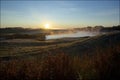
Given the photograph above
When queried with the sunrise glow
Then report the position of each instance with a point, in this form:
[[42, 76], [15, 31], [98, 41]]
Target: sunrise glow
[[47, 26]]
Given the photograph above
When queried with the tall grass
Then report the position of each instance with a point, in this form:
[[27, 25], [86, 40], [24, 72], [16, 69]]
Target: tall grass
[[103, 64]]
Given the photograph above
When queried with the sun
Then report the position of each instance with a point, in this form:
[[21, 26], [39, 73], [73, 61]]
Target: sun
[[47, 26]]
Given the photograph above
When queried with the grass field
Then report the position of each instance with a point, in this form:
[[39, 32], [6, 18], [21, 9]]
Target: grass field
[[62, 59]]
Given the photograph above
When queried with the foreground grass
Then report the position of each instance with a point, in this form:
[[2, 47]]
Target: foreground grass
[[103, 64]]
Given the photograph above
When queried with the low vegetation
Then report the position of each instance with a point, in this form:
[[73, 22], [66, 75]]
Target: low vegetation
[[100, 63], [39, 36], [104, 64]]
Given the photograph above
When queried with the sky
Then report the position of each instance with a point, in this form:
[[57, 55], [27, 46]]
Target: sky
[[59, 14]]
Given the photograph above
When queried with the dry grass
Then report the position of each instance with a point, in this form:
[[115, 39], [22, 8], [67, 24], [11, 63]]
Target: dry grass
[[104, 64]]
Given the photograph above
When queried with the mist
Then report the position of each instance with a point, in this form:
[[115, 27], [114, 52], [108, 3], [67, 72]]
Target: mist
[[72, 35]]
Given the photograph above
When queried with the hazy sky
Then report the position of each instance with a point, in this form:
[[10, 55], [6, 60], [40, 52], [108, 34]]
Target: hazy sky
[[59, 13]]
